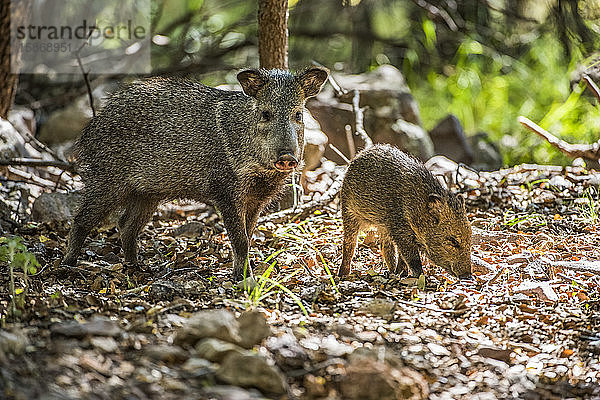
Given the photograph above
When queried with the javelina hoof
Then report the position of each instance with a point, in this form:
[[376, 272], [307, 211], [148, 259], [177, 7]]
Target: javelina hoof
[[239, 275], [466, 276]]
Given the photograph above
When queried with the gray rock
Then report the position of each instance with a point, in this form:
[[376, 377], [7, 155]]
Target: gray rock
[[219, 324], [23, 120], [221, 392], [315, 142], [199, 367], [286, 350], [216, 350], [166, 353], [55, 207], [12, 343], [392, 114], [12, 144], [66, 124], [252, 370], [368, 379], [191, 229], [412, 138], [97, 326], [106, 344], [384, 89], [449, 140], [253, 328], [486, 154]]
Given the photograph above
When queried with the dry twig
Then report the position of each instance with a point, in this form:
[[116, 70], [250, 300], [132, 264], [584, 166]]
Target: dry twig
[[30, 162], [589, 151], [592, 86]]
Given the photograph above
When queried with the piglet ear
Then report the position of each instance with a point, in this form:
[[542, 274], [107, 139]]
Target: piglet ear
[[311, 80], [434, 206], [252, 81]]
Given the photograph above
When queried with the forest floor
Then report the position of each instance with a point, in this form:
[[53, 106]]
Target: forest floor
[[526, 327]]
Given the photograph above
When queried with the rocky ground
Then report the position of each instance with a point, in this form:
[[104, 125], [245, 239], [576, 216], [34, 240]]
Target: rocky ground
[[526, 327]]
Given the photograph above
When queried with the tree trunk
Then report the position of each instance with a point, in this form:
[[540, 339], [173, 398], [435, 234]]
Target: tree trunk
[[8, 80], [273, 33], [362, 43]]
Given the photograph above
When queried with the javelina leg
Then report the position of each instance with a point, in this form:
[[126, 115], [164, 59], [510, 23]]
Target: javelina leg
[[410, 253], [92, 211], [388, 249], [408, 250], [236, 230], [351, 227], [137, 214]]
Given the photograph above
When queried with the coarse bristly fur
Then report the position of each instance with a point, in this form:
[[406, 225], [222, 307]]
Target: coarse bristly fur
[[393, 192], [169, 138]]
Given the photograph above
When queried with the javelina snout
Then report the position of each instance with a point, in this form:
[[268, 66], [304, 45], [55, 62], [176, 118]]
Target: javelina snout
[[286, 162]]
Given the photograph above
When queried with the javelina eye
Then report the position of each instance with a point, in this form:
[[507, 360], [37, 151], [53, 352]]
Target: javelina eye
[[299, 116], [265, 116], [454, 242]]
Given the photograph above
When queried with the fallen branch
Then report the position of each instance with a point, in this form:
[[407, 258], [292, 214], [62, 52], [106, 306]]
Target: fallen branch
[[86, 74], [592, 267], [592, 86], [589, 151], [359, 119], [339, 153], [304, 210], [30, 162]]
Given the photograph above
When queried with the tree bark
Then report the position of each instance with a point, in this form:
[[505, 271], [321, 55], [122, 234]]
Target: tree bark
[[273, 34], [8, 80]]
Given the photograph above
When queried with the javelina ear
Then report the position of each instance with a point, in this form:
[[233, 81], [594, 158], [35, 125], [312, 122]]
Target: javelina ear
[[434, 205], [311, 80], [252, 81]]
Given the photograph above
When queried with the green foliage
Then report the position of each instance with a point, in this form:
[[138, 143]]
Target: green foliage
[[15, 254], [488, 91], [266, 286], [588, 207]]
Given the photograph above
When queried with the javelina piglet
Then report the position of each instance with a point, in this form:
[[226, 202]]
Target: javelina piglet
[[393, 192], [165, 138]]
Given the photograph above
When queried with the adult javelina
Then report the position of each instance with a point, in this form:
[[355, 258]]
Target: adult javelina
[[165, 138], [395, 193]]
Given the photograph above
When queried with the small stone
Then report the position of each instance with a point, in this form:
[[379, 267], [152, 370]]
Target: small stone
[[540, 289], [287, 351], [248, 284], [190, 230], [216, 350], [97, 326], [378, 307], [198, 367], [166, 353], [106, 344], [438, 350], [496, 354], [372, 380], [255, 329], [12, 343], [252, 370], [219, 324], [367, 336], [315, 386], [222, 392]]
